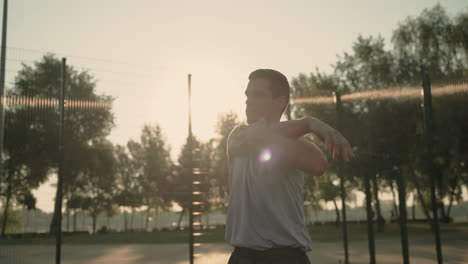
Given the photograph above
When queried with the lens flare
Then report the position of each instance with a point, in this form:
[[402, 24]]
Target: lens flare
[[265, 155]]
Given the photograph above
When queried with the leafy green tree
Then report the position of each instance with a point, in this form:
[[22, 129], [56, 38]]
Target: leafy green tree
[[202, 160], [98, 182], [128, 193], [74, 203], [31, 134], [431, 42], [330, 192], [154, 169], [226, 123]]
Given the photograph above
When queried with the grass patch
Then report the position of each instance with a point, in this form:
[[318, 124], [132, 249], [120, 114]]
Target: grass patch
[[326, 233]]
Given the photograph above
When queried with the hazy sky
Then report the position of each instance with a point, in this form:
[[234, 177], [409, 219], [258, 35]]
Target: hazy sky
[[141, 51]]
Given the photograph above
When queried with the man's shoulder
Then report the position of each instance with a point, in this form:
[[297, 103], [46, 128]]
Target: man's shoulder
[[237, 129]]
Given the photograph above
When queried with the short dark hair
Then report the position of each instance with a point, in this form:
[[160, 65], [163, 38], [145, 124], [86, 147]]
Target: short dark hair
[[279, 84]]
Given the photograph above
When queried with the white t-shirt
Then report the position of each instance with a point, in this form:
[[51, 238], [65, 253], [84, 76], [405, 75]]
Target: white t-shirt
[[265, 206]]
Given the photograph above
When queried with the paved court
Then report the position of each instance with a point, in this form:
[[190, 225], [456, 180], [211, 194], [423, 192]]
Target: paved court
[[388, 251]]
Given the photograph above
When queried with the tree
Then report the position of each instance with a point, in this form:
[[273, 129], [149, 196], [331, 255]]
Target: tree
[[31, 134], [226, 123], [432, 43], [128, 194], [98, 182], [154, 169], [74, 203], [330, 192], [200, 159], [29, 201]]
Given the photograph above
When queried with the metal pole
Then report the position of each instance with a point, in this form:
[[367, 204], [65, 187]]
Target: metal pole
[[370, 226], [403, 218], [2, 84], [58, 197], [342, 188], [370, 217], [190, 168], [428, 129]]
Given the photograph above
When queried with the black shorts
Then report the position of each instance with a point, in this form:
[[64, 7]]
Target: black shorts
[[269, 256]]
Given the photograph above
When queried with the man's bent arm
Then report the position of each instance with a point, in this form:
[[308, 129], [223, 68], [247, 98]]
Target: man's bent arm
[[285, 151], [335, 143], [299, 127], [298, 154]]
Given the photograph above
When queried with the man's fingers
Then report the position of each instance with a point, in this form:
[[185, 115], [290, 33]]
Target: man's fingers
[[336, 152], [350, 152], [332, 150], [330, 144], [345, 154]]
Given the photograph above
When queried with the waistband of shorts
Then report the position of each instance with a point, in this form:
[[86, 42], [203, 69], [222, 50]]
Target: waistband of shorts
[[280, 251]]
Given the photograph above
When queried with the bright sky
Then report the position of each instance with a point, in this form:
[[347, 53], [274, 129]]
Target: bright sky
[[141, 51]]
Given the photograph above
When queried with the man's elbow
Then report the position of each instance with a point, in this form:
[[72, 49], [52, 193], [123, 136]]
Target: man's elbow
[[319, 164], [322, 166], [317, 168]]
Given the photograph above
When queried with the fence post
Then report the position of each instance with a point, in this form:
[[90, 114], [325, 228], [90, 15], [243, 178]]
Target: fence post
[[3, 101], [337, 98], [428, 133], [401, 185], [190, 147], [369, 212], [59, 195]]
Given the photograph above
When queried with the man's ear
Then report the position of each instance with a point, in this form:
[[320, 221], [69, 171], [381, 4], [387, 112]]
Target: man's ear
[[282, 101]]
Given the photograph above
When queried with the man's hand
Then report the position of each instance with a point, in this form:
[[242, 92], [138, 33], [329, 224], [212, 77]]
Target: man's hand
[[336, 144]]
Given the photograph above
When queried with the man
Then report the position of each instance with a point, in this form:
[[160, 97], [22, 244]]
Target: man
[[265, 220]]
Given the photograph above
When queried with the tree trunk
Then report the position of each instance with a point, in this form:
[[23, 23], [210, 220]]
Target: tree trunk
[[125, 221], [155, 219], [74, 220], [395, 209], [443, 215], [131, 219], [33, 222], [7, 206], [337, 213], [441, 193], [380, 219], [68, 220], [401, 185], [413, 208], [147, 218], [26, 223], [370, 218], [83, 221], [423, 204], [94, 216], [452, 196], [451, 200], [180, 218]]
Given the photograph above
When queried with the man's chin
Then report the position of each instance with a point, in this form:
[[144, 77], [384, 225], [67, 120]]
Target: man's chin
[[251, 120]]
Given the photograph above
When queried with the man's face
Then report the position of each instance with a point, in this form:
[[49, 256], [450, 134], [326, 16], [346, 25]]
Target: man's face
[[259, 103]]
